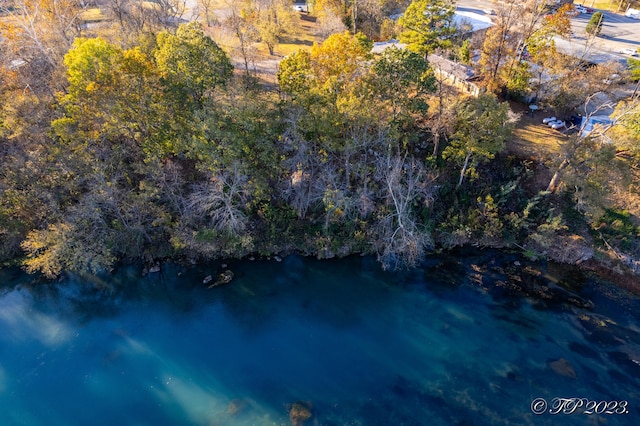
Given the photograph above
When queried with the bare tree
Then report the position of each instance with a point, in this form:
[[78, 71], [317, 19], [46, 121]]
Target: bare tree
[[207, 8], [221, 200], [302, 187], [242, 24], [136, 16], [36, 35], [329, 23], [399, 239]]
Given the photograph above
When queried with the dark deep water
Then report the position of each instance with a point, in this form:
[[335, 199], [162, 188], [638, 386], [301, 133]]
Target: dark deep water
[[470, 339]]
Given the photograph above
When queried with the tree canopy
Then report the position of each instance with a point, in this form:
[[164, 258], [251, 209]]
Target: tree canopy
[[427, 25]]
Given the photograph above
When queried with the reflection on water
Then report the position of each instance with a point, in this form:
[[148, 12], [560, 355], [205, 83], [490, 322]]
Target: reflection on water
[[467, 339]]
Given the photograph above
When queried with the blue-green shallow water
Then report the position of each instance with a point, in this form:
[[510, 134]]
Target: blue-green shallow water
[[441, 345]]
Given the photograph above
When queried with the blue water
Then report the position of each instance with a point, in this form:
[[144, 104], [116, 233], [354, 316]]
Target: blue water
[[452, 342]]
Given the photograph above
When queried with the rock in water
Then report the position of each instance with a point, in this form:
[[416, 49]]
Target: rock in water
[[563, 368], [236, 406], [300, 413], [154, 268], [207, 279], [223, 278]]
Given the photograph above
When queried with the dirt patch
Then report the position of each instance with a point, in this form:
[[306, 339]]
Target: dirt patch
[[532, 139]]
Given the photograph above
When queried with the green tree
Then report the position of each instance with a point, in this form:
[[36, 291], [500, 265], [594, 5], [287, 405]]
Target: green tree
[[295, 74], [427, 25], [594, 26], [115, 101], [634, 68], [191, 63], [400, 79], [482, 127]]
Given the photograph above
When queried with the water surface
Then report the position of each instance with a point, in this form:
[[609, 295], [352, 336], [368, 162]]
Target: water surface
[[467, 339]]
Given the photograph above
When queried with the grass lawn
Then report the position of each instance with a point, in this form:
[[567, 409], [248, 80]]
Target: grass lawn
[[92, 14], [604, 5], [531, 138]]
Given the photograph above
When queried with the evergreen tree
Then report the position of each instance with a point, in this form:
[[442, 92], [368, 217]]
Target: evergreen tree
[[594, 26], [427, 25]]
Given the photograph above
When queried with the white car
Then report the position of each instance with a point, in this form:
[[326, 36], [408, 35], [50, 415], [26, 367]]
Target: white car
[[558, 124], [580, 9], [548, 120], [629, 51]]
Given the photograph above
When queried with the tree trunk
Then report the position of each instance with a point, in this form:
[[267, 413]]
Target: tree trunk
[[555, 180], [436, 143], [464, 169]]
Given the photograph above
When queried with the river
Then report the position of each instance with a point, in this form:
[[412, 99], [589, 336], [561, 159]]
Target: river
[[470, 338]]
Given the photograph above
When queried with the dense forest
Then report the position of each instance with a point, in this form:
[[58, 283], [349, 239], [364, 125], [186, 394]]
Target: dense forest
[[141, 142]]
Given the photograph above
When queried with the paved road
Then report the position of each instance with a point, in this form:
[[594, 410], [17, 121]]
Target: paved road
[[618, 32]]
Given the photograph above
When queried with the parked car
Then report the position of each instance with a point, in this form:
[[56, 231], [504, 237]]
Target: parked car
[[613, 78], [548, 120], [632, 13], [558, 124], [629, 51]]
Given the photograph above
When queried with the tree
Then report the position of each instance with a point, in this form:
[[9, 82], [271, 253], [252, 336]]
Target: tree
[[136, 17], [329, 69], [427, 25], [207, 7], [482, 127], [115, 101], [242, 23], [221, 200], [191, 63], [37, 34], [400, 79], [295, 74], [338, 59], [408, 187], [584, 155], [594, 26], [276, 19], [495, 53]]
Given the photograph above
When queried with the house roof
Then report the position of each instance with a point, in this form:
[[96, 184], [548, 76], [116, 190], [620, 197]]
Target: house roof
[[461, 71]]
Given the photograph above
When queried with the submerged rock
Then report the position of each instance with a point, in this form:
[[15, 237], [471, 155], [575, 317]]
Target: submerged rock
[[223, 278], [300, 412], [207, 279], [562, 367], [236, 406]]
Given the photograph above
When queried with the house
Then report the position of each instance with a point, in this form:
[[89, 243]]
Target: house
[[454, 74], [449, 72]]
